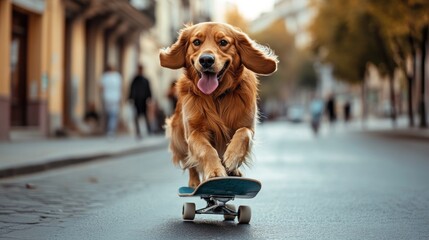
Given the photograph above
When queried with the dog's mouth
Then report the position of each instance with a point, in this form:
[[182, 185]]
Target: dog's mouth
[[209, 79]]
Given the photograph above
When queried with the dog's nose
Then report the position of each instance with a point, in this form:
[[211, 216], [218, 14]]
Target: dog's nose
[[206, 60]]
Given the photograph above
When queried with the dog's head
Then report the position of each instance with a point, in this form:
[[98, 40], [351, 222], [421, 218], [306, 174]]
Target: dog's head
[[214, 52]]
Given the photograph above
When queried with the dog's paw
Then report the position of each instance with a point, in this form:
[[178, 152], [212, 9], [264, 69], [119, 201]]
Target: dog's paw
[[235, 173], [232, 161], [215, 172], [193, 183]]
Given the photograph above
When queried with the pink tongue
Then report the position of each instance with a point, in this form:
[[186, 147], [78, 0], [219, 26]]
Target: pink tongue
[[208, 83]]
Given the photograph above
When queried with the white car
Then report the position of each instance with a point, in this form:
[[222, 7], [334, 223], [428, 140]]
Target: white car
[[296, 114]]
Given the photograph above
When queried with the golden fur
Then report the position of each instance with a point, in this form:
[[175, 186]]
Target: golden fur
[[211, 134]]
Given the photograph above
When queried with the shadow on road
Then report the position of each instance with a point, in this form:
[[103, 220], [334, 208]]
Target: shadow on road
[[200, 229]]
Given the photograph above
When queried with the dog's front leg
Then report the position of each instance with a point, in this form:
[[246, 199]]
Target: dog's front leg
[[204, 156], [237, 150]]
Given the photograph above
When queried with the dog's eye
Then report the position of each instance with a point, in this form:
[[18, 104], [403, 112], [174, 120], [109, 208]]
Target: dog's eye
[[223, 42], [197, 42]]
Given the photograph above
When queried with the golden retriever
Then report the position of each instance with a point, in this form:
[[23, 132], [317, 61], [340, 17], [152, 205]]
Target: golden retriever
[[212, 128]]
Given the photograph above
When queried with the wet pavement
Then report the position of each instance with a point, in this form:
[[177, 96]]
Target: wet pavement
[[340, 185]]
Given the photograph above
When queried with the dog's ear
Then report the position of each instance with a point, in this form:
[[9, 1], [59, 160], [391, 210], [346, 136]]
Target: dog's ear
[[174, 56], [257, 58]]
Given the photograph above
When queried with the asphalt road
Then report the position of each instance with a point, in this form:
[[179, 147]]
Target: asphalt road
[[341, 185]]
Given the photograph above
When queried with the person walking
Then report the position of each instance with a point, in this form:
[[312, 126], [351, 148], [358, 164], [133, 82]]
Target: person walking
[[330, 108], [140, 94], [111, 94], [347, 111], [316, 110]]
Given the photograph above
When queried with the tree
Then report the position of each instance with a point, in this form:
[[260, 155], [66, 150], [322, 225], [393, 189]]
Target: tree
[[307, 76], [422, 105], [405, 25], [352, 38]]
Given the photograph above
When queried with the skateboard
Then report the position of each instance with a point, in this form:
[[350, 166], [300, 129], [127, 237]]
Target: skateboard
[[217, 192]]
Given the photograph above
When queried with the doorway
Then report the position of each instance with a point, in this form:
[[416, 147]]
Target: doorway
[[18, 104]]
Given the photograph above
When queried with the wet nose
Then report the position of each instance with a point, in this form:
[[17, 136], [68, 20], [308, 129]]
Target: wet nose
[[206, 60]]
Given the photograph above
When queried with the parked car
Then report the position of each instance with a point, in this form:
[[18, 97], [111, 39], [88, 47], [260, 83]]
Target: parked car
[[296, 113]]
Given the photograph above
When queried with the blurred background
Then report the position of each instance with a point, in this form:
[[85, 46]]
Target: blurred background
[[368, 57], [341, 150]]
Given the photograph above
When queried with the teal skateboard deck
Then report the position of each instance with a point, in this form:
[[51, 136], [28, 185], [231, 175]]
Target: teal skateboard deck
[[237, 187], [217, 192]]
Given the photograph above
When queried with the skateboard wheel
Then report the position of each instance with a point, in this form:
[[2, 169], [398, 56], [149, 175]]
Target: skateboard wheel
[[244, 214], [188, 211], [228, 217]]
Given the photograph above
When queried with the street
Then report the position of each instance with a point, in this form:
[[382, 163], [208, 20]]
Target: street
[[341, 185]]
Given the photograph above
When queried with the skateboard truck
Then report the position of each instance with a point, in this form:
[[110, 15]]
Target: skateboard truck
[[217, 205]]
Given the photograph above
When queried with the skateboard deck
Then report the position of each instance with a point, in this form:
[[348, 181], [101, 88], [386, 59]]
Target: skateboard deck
[[237, 187]]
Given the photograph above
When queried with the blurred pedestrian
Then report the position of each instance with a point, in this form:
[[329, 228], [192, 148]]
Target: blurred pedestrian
[[347, 111], [316, 111], [172, 95], [111, 90], [140, 94], [330, 109]]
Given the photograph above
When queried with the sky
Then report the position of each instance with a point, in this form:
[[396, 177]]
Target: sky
[[250, 9]]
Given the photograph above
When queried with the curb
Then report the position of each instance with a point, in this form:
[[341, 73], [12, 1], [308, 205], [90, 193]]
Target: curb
[[399, 135], [73, 160]]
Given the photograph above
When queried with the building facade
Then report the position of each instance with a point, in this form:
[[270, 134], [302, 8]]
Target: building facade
[[53, 53]]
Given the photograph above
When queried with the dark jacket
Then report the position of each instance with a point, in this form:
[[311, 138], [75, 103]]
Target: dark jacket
[[140, 92], [330, 108]]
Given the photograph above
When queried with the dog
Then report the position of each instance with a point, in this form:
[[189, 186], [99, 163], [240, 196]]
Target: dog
[[212, 128]]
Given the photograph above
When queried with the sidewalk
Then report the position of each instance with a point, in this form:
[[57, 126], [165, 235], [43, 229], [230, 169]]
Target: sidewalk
[[383, 127], [24, 157]]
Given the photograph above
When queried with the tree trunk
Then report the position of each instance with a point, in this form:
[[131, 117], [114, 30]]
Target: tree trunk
[[410, 100], [423, 119], [364, 108], [392, 100], [410, 78]]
